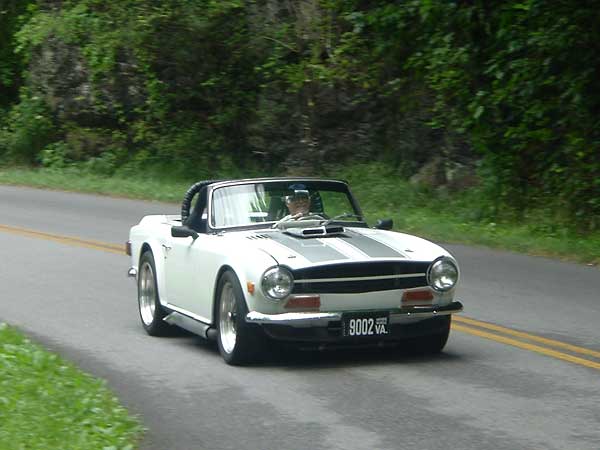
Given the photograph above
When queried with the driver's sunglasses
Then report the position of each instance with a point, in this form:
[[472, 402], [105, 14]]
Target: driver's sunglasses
[[298, 196], [299, 199]]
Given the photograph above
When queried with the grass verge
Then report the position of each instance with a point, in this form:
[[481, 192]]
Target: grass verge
[[459, 219], [444, 218], [47, 403]]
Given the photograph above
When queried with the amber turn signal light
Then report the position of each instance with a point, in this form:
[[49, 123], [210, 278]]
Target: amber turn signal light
[[304, 301], [417, 296]]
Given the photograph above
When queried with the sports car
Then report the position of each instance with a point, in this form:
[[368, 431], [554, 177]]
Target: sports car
[[253, 261]]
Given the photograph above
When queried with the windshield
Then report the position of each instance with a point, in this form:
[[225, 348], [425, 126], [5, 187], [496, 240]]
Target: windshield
[[268, 202]]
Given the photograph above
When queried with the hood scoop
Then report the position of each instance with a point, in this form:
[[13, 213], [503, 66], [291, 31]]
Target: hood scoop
[[316, 232]]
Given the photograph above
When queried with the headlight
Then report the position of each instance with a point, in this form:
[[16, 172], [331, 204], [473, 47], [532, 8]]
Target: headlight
[[442, 274], [277, 283]]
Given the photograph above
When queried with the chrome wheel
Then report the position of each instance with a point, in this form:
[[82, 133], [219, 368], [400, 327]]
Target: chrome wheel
[[147, 294], [227, 318], [238, 341]]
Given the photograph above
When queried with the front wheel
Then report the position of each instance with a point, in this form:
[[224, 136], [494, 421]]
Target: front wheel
[[432, 343], [238, 341]]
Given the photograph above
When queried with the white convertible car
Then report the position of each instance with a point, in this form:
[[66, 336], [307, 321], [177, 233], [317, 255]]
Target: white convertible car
[[289, 259]]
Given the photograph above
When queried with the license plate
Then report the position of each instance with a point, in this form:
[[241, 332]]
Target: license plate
[[366, 324]]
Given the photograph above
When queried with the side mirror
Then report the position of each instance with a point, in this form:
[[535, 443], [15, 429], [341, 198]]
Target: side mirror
[[384, 224], [183, 232]]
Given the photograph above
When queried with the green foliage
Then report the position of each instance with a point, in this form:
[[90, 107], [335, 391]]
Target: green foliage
[[13, 13], [46, 402], [28, 129], [55, 155], [521, 79], [464, 217], [294, 86]]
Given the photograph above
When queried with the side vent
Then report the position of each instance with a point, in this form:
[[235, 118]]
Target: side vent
[[258, 236]]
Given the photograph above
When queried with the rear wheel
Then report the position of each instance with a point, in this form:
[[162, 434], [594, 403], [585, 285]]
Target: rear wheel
[[238, 341], [151, 312]]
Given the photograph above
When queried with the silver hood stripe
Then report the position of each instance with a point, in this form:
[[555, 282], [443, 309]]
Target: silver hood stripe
[[369, 246], [313, 250], [352, 245], [377, 238], [350, 251]]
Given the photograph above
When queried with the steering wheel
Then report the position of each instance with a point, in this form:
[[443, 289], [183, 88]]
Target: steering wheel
[[311, 217]]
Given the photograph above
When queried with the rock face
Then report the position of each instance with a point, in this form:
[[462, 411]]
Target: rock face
[[299, 123], [443, 173], [322, 121], [60, 74], [316, 126], [90, 110]]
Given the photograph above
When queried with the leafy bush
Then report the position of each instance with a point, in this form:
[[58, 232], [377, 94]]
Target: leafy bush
[[13, 14], [55, 155], [28, 129]]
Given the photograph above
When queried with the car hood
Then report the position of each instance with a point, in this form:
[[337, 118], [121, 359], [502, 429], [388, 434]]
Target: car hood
[[353, 245]]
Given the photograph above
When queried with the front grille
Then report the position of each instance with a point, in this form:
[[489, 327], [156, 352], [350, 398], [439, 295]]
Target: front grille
[[308, 280], [355, 287], [362, 269]]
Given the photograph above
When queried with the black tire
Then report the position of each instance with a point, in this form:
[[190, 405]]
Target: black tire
[[149, 307], [239, 342], [434, 343]]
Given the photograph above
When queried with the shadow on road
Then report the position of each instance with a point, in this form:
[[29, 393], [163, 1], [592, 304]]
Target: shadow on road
[[311, 359], [276, 355]]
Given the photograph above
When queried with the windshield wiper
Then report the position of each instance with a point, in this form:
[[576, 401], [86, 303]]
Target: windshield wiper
[[343, 216]]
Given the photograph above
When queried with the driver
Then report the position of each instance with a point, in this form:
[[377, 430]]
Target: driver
[[298, 203]]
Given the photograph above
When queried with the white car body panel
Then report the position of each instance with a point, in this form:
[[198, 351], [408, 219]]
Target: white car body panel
[[187, 269], [352, 270]]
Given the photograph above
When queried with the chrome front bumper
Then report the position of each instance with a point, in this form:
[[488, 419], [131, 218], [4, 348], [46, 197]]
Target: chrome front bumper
[[316, 319]]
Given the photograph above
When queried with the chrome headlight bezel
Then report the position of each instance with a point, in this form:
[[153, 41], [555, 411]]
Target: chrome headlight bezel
[[440, 268], [277, 283]]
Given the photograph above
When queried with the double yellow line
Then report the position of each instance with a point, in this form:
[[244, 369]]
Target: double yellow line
[[520, 339], [112, 248], [527, 341]]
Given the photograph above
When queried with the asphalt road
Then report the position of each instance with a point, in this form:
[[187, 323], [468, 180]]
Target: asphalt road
[[521, 369]]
